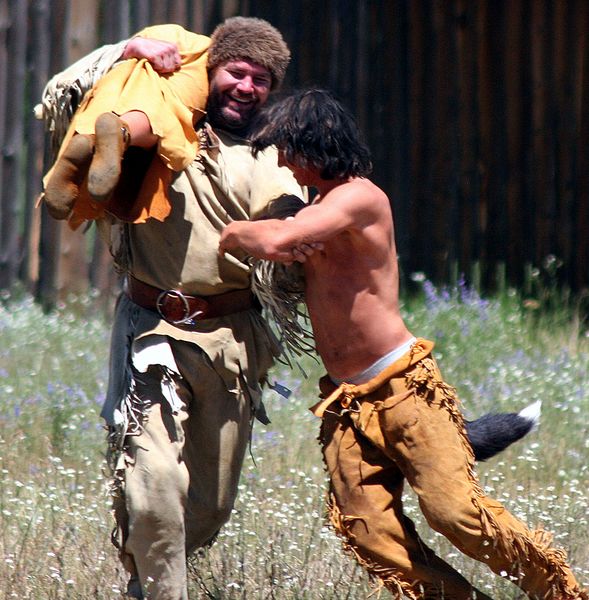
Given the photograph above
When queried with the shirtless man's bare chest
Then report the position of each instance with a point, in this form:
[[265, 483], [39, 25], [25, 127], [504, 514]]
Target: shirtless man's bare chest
[[352, 295]]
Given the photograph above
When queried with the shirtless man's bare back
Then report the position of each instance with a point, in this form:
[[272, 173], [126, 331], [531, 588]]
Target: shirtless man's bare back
[[398, 420]]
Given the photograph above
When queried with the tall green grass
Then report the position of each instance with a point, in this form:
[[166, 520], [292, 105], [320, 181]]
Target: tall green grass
[[501, 353]]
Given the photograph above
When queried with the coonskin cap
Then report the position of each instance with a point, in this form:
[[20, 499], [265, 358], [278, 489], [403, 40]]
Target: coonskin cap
[[252, 39]]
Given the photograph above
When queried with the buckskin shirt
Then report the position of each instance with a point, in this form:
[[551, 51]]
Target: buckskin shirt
[[224, 183], [180, 402]]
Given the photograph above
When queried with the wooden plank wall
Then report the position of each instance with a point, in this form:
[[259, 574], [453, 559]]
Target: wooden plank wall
[[476, 112]]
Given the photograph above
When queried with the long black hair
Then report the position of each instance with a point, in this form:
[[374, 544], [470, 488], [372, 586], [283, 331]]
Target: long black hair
[[314, 129]]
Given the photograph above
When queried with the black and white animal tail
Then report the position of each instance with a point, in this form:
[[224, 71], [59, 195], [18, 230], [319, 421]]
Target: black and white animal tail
[[492, 433]]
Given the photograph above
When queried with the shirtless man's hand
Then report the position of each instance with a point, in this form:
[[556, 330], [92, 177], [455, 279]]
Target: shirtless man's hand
[[303, 251]]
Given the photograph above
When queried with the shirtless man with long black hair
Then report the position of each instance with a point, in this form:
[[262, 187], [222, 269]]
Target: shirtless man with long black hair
[[387, 414]]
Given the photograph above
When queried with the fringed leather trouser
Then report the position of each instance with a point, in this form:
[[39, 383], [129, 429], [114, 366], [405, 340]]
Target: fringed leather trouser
[[405, 424]]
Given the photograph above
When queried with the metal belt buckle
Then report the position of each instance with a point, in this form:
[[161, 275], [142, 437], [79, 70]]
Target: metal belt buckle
[[187, 318]]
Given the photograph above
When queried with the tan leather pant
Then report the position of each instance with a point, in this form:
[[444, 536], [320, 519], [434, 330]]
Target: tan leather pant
[[178, 479], [405, 425]]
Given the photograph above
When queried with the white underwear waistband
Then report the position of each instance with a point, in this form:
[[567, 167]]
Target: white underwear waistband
[[376, 367]]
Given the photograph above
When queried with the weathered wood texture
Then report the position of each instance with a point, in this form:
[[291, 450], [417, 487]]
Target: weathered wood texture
[[476, 112]]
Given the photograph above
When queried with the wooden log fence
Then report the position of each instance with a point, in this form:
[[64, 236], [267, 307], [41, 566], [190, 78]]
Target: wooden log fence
[[476, 112]]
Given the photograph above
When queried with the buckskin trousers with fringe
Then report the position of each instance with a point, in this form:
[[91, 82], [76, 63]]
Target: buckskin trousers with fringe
[[405, 424]]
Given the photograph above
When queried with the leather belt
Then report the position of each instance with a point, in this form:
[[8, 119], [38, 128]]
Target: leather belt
[[185, 311]]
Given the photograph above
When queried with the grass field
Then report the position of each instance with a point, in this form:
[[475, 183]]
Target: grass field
[[501, 353]]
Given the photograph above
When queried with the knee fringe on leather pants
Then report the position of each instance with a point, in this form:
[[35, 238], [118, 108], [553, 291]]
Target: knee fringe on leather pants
[[405, 424]]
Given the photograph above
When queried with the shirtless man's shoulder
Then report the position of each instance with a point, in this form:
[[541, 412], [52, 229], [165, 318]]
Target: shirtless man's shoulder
[[358, 188], [363, 199]]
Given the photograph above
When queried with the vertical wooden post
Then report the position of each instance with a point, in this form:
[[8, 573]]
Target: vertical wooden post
[[177, 12], [566, 69], [581, 229], [423, 98], [115, 20], [4, 24], [445, 140], [202, 16], [493, 136], [74, 260], [469, 225], [38, 73], [542, 140], [158, 12], [12, 150], [50, 238], [139, 15], [387, 113]]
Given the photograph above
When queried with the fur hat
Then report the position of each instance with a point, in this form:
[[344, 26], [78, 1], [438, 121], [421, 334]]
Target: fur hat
[[252, 39]]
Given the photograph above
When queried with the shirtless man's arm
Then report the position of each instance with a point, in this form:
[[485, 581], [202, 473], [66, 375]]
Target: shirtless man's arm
[[351, 205]]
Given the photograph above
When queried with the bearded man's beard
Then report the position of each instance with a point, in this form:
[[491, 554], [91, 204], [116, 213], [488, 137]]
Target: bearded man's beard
[[219, 116]]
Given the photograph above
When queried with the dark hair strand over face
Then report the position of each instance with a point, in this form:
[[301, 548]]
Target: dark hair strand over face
[[314, 130]]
